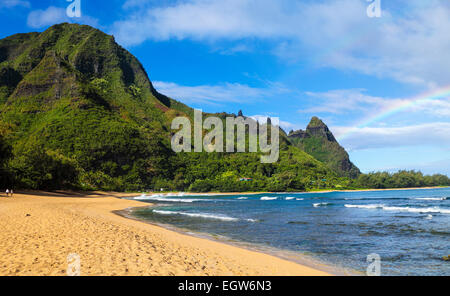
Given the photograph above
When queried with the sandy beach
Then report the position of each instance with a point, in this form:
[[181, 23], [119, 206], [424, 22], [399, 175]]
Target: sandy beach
[[39, 230]]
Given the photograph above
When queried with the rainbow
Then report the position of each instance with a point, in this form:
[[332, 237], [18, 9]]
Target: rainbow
[[398, 107]]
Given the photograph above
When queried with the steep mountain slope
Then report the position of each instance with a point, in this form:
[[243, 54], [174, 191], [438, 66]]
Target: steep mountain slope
[[71, 95], [80, 111], [319, 142]]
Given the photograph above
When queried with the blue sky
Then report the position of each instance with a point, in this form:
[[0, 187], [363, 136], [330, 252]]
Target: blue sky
[[292, 59]]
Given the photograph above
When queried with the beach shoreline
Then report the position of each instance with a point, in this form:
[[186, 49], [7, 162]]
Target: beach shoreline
[[40, 229], [293, 192], [291, 256], [211, 232]]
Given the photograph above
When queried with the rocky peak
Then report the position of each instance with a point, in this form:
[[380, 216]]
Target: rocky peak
[[300, 134], [318, 141], [317, 128]]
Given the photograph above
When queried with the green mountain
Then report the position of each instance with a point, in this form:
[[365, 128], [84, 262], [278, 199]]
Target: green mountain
[[319, 142], [79, 111]]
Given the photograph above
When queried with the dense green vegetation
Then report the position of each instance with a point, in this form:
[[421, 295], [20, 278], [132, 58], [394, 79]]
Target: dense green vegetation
[[81, 112], [77, 111], [296, 171], [401, 179], [5, 154]]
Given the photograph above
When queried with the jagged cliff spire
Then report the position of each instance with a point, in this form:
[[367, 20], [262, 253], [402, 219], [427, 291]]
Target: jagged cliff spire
[[318, 141], [316, 127]]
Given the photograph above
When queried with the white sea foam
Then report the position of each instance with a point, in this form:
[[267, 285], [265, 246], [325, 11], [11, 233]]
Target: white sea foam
[[242, 198], [365, 206], [251, 220], [429, 217], [160, 197], [202, 215], [268, 198], [290, 198], [176, 194], [417, 210], [401, 209], [299, 199], [431, 198], [321, 204]]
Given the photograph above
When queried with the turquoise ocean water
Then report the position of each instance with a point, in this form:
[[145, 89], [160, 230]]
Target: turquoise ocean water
[[409, 229]]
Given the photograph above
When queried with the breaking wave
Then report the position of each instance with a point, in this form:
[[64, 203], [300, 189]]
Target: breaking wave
[[268, 198], [321, 204], [202, 215], [168, 198], [401, 209], [431, 198]]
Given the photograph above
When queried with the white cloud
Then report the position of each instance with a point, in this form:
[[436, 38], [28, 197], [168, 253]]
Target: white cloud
[[341, 101], [218, 94], [41, 18], [14, 3], [345, 101], [438, 108], [225, 93], [381, 137], [55, 15], [409, 43]]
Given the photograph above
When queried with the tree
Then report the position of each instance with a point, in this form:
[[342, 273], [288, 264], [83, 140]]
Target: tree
[[401, 179], [5, 155], [240, 114], [5, 151], [38, 168]]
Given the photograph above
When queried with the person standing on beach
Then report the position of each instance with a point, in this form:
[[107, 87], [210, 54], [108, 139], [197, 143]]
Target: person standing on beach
[[7, 192], [12, 193]]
